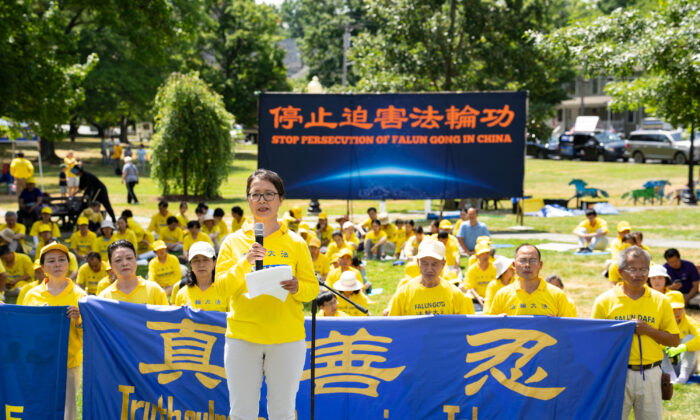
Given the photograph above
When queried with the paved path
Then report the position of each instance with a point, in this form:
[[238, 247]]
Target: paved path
[[570, 238]]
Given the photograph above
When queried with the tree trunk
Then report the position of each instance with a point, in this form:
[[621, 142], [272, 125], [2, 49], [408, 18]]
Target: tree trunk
[[691, 157], [73, 130], [123, 128], [48, 151]]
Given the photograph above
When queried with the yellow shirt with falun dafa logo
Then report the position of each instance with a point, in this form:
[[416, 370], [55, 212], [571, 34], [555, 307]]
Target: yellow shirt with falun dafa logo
[[208, 300], [40, 296], [265, 319], [545, 300], [479, 279], [148, 292], [165, 274], [415, 299], [89, 279], [80, 243]]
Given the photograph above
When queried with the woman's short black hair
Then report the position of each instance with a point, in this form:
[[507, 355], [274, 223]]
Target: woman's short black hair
[[193, 223], [269, 176], [218, 212], [127, 213], [324, 297], [237, 210], [122, 243], [171, 219], [419, 229], [376, 221]]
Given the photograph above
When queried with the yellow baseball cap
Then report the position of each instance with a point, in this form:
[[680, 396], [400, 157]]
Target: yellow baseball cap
[[676, 299], [44, 228], [47, 210], [315, 242], [334, 258], [484, 239], [158, 245], [445, 224], [623, 226], [30, 180], [83, 221], [296, 211], [482, 248], [344, 252], [37, 264], [322, 215], [53, 246]]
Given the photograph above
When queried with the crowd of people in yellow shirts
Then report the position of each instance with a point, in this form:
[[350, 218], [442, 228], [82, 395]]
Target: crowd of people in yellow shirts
[[101, 258]]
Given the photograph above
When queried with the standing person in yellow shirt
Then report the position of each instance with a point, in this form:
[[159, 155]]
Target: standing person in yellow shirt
[[351, 288], [181, 218], [529, 294], [656, 327], [375, 241], [592, 232], [237, 218], [90, 274], [172, 235], [72, 180], [160, 219], [59, 290], [81, 240], [116, 155], [123, 232], [128, 287], [480, 274], [19, 270], [429, 293], [321, 263], [505, 273], [199, 291], [686, 354], [265, 336], [21, 169], [103, 242], [220, 224], [164, 269]]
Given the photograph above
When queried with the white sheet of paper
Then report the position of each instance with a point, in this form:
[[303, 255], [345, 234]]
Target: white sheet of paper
[[267, 282]]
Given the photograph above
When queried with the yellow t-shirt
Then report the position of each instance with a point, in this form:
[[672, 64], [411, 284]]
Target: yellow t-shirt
[[21, 168], [375, 237], [82, 244], [103, 284], [18, 229], [652, 308], [360, 298], [473, 260], [23, 266], [25, 289], [100, 246], [326, 234], [158, 222], [399, 238], [208, 232], [182, 219], [148, 292], [189, 240], [237, 225], [39, 296], [455, 228], [351, 241], [223, 229], [339, 314], [333, 249], [598, 223], [479, 279], [321, 265], [367, 224], [412, 245], [390, 230], [264, 319], [494, 286], [171, 236], [689, 326], [444, 299], [70, 163], [165, 274], [117, 151], [34, 231], [335, 273], [451, 253], [545, 300], [89, 279], [208, 300]]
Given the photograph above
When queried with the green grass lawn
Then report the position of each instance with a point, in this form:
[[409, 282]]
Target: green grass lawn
[[544, 178]]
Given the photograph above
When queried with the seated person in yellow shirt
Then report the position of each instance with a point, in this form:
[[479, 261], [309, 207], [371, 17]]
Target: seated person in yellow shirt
[[390, 230], [45, 238], [336, 244], [292, 218], [38, 278], [321, 262], [90, 274], [123, 232], [505, 273], [375, 241], [681, 361], [164, 269], [328, 305], [19, 270], [45, 220], [199, 291], [172, 235], [323, 230], [351, 288], [623, 228], [210, 229], [105, 240], [220, 224], [452, 271], [659, 279], [106, 280], [128, 287], [411, 246], [592, 232], [15, 232], [429, 294], [529, 294], [181, 218], [345, 264], [94, 215], [613, 273], [480, 274], [81, 240], [638, 238], [195, 235], [237, 218], [349, 236], [160, 219]]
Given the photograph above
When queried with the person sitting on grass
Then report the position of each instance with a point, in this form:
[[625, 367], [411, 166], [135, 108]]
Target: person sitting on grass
[[106, 238], [182, 219], [555, 280], [172, 235], [336, 244], [480, 275], [344, 265], [19, 270], [90, 274], [123, 232], [323, 230], [592, 233], [375, 241], [351, 287], [349, 236], [659, 279], [160, 219], [220, 224], [411, 246], [321, 261], [237, 218], [452, 271], [164, 269], [195, 235], [328, 305], [81, 240], [505, 273], [681, 361]]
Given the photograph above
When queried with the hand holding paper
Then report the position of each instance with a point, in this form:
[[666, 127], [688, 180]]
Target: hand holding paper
[[267, 282]]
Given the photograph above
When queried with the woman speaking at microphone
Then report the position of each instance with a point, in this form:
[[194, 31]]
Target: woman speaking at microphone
[[264, 336]]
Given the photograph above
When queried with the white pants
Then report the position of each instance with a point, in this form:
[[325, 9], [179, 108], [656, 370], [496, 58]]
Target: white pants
[[246, 363], [643, 395], [72, 385], [598, 242]]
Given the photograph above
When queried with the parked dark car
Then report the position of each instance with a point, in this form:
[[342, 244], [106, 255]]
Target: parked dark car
[[599, 145], [543, 150]]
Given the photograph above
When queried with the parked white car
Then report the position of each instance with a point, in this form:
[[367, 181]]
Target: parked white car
[[667, 146]]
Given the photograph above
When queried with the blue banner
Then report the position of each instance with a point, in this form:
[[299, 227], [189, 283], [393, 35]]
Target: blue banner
[[34, 354], [400, 146], [139, 359]]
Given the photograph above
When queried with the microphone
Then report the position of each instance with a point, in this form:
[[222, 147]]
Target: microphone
[[259, 230]]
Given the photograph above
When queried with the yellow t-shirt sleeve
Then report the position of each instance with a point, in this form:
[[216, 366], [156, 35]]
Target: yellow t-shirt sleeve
[[496, 307], [157, 296], [668, 320], [694, 344], [308, 285], [463, 305], [567, 308]]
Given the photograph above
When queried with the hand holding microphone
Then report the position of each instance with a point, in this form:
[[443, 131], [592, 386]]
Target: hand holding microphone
[[257, 251]]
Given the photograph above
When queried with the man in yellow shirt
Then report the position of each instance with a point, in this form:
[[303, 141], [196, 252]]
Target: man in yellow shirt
[[656, 327], [429, 293], [116, 154], [81, 240], [172, 235], [529, 294], [19, 269], [164, 269], [686, 355], [480, 274], [160, 219], [45, 220], [220, 224], [375, 241], [90, 274], [21, 169], [14, 232], [367, 223], [321, 263], [237, 218], [592, 232]]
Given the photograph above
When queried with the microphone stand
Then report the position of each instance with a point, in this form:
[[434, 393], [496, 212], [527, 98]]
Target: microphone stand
[[314, 308]]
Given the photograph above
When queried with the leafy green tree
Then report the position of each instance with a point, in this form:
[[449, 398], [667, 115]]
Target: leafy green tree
[[654, 57], [192, 148], [238, 54]]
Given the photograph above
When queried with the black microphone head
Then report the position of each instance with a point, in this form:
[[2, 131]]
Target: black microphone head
[[259, 229]]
